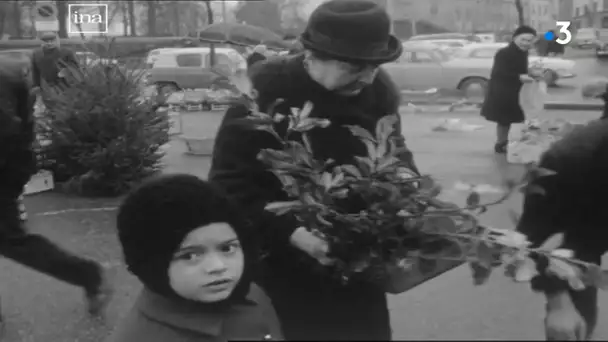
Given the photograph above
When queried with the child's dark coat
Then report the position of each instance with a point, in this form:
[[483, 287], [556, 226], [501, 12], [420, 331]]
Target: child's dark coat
[[157, 319]]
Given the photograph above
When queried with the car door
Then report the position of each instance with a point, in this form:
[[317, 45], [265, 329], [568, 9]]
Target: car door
[[189, 71], [416, 70]]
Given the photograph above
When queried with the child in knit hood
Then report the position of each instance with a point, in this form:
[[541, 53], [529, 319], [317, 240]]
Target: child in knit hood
[[194, 255]]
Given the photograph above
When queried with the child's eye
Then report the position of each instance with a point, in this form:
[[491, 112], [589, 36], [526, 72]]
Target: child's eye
[[231, 247], [189, 256]]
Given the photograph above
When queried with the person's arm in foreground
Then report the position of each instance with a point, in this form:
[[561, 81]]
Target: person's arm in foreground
[[247, 180]]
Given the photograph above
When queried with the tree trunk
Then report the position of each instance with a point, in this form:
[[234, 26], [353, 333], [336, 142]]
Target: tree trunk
[[101, 27], [3, 14], [79, 27], [151, 18], [117, 8], [132, 22], [125, 18], [176, 19], [209, 22], [31, 10], [520, 12], [17, 11], [62, 15]]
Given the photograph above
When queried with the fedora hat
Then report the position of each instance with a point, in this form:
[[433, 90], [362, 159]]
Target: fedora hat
[[352, 30]]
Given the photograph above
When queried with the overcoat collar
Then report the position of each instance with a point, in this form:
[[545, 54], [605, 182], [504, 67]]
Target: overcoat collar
[[184, 315]]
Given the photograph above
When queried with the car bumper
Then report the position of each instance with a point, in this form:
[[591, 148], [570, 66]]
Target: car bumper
[[566, 74], [585, 43], [602, 51]]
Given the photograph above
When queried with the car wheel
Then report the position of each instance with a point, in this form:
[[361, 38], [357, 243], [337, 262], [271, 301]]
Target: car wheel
[[474, 87], [550, 77]]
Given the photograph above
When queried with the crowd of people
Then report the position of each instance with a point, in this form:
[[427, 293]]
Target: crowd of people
[[195, 245]]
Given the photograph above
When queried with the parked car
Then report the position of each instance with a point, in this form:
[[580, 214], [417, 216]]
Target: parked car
[[423, 66], [450, 43], [601, 43], [153, 56], [190, 68], [486, 37], [554, 68], [24, 54], [585, 38], [446, 36], [90, 58]]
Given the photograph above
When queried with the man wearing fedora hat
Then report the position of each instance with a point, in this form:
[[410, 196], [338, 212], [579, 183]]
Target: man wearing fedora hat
[[345, 44]]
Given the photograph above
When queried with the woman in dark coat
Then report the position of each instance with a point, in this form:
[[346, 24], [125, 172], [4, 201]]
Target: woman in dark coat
[[509, 71], [344, 84]]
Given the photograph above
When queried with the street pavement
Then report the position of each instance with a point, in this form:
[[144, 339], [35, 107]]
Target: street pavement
[[449, 307]]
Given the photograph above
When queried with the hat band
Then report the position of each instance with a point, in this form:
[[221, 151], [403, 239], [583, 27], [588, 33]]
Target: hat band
[[346, 47]]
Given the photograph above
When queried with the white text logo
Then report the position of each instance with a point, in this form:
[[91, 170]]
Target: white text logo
[[88, 18], [564, 30]]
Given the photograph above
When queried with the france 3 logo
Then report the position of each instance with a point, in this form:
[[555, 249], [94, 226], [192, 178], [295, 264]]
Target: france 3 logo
[[564, 35]]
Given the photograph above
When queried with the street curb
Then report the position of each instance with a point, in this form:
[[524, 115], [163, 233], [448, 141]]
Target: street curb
[[551, 105], [574, 106]]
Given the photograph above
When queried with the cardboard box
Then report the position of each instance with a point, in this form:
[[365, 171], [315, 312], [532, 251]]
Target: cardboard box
[[40, 182]]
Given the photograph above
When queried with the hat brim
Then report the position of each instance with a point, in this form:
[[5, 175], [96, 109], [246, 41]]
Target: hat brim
[[393, 51]]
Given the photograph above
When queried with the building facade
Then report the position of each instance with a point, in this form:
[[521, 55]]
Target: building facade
[[590, 13], [541, 14], [457, 15]]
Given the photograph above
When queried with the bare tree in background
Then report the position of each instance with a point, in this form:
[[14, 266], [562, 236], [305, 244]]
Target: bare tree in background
[[125, 18], [175, 8], [17, 12], [62, 12], [589, 13], [132, 22], [3, 15], [210, 21], [520, 12], [151, 17]]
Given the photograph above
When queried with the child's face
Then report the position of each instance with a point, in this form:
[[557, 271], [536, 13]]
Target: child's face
[[208, 265]]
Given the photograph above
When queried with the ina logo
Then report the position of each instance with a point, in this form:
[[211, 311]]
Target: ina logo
[[88, 18]]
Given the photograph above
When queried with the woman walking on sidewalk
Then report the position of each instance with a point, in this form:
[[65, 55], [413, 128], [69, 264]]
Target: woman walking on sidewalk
[[509, 71]]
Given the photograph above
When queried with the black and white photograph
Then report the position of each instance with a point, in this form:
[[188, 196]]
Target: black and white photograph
[[303, 170]]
